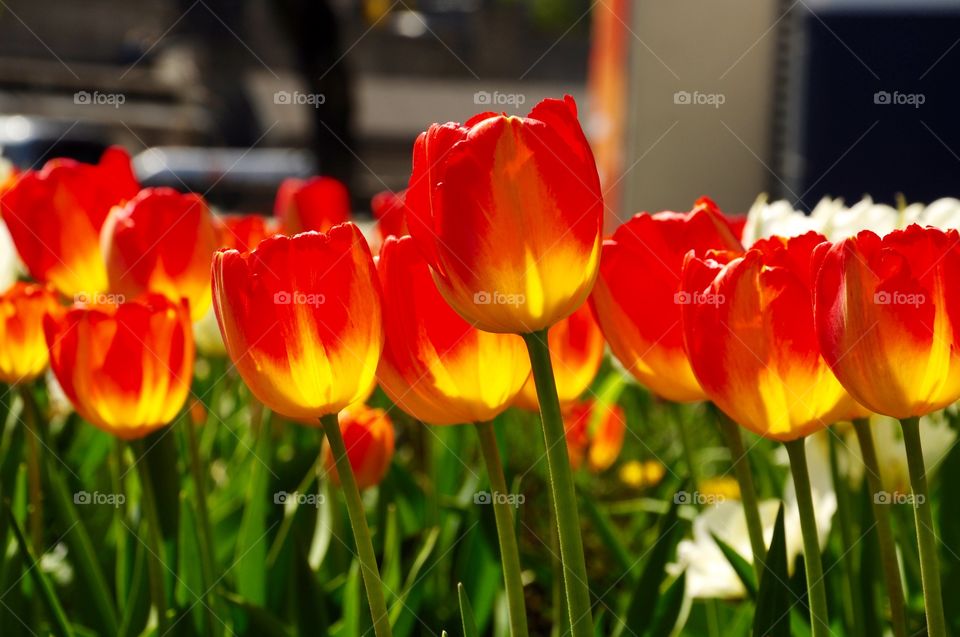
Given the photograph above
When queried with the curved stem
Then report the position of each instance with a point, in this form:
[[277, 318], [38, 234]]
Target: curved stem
[[561, 487], [693, 469], [154, 538], [509, 553], [820, 625], [748, 493], [358, 520], [926, 537], [881, 513]]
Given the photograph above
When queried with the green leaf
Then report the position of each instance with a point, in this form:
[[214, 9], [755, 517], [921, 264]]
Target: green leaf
[[61, 624], [82, 552], [772, 616], [428, 544], [251, 553], [668, 610], [608, 534], [136, 607], [646, 596], [741, 567], [466, 613], [258, 621]]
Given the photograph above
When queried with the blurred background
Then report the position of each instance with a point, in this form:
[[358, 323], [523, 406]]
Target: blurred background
[[797, 99]]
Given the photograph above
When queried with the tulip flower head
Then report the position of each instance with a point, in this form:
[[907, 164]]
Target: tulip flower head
[[368, 436], [161, 241], [242, 232], [595, 433], [23, 349], [55, 215], [576, 351], [126, 368], [300, 317], [390, 211], [318, 203], [888, 318], [751, 339], [638, 301], [435, 366], [508, 212]]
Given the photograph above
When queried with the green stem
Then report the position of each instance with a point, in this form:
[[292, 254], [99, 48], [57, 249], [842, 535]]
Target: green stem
[[881, 513], [358, 520], [748, 492], [154, 537], [561, 487], [926, 537], [688, 455], [204, 534], [506, 533], [853, 608], [820, 625], [31, 418]]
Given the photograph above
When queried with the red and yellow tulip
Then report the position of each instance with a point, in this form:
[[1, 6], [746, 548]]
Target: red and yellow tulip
[[126, 368], [301, 320], [595, 433], [435, 366], [368, 436], [637, 298], [55, 215], [508, 212], [23, 349], [318, 203], [576, 351], [752, 342], [161, 241], [888, 318]]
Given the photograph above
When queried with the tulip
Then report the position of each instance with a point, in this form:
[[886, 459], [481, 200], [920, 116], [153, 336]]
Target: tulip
[[300, 317], [508, 212], [242, 232], [594, 434], [886, 322], [161, 241], [390, 211], [301, 320], [55, 215], [126, 368], [368, 435], [435, 366], [637, 299], [318, 203], [752, 343], [576, 351], [885, 319], [441, 370], [23, 350]]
